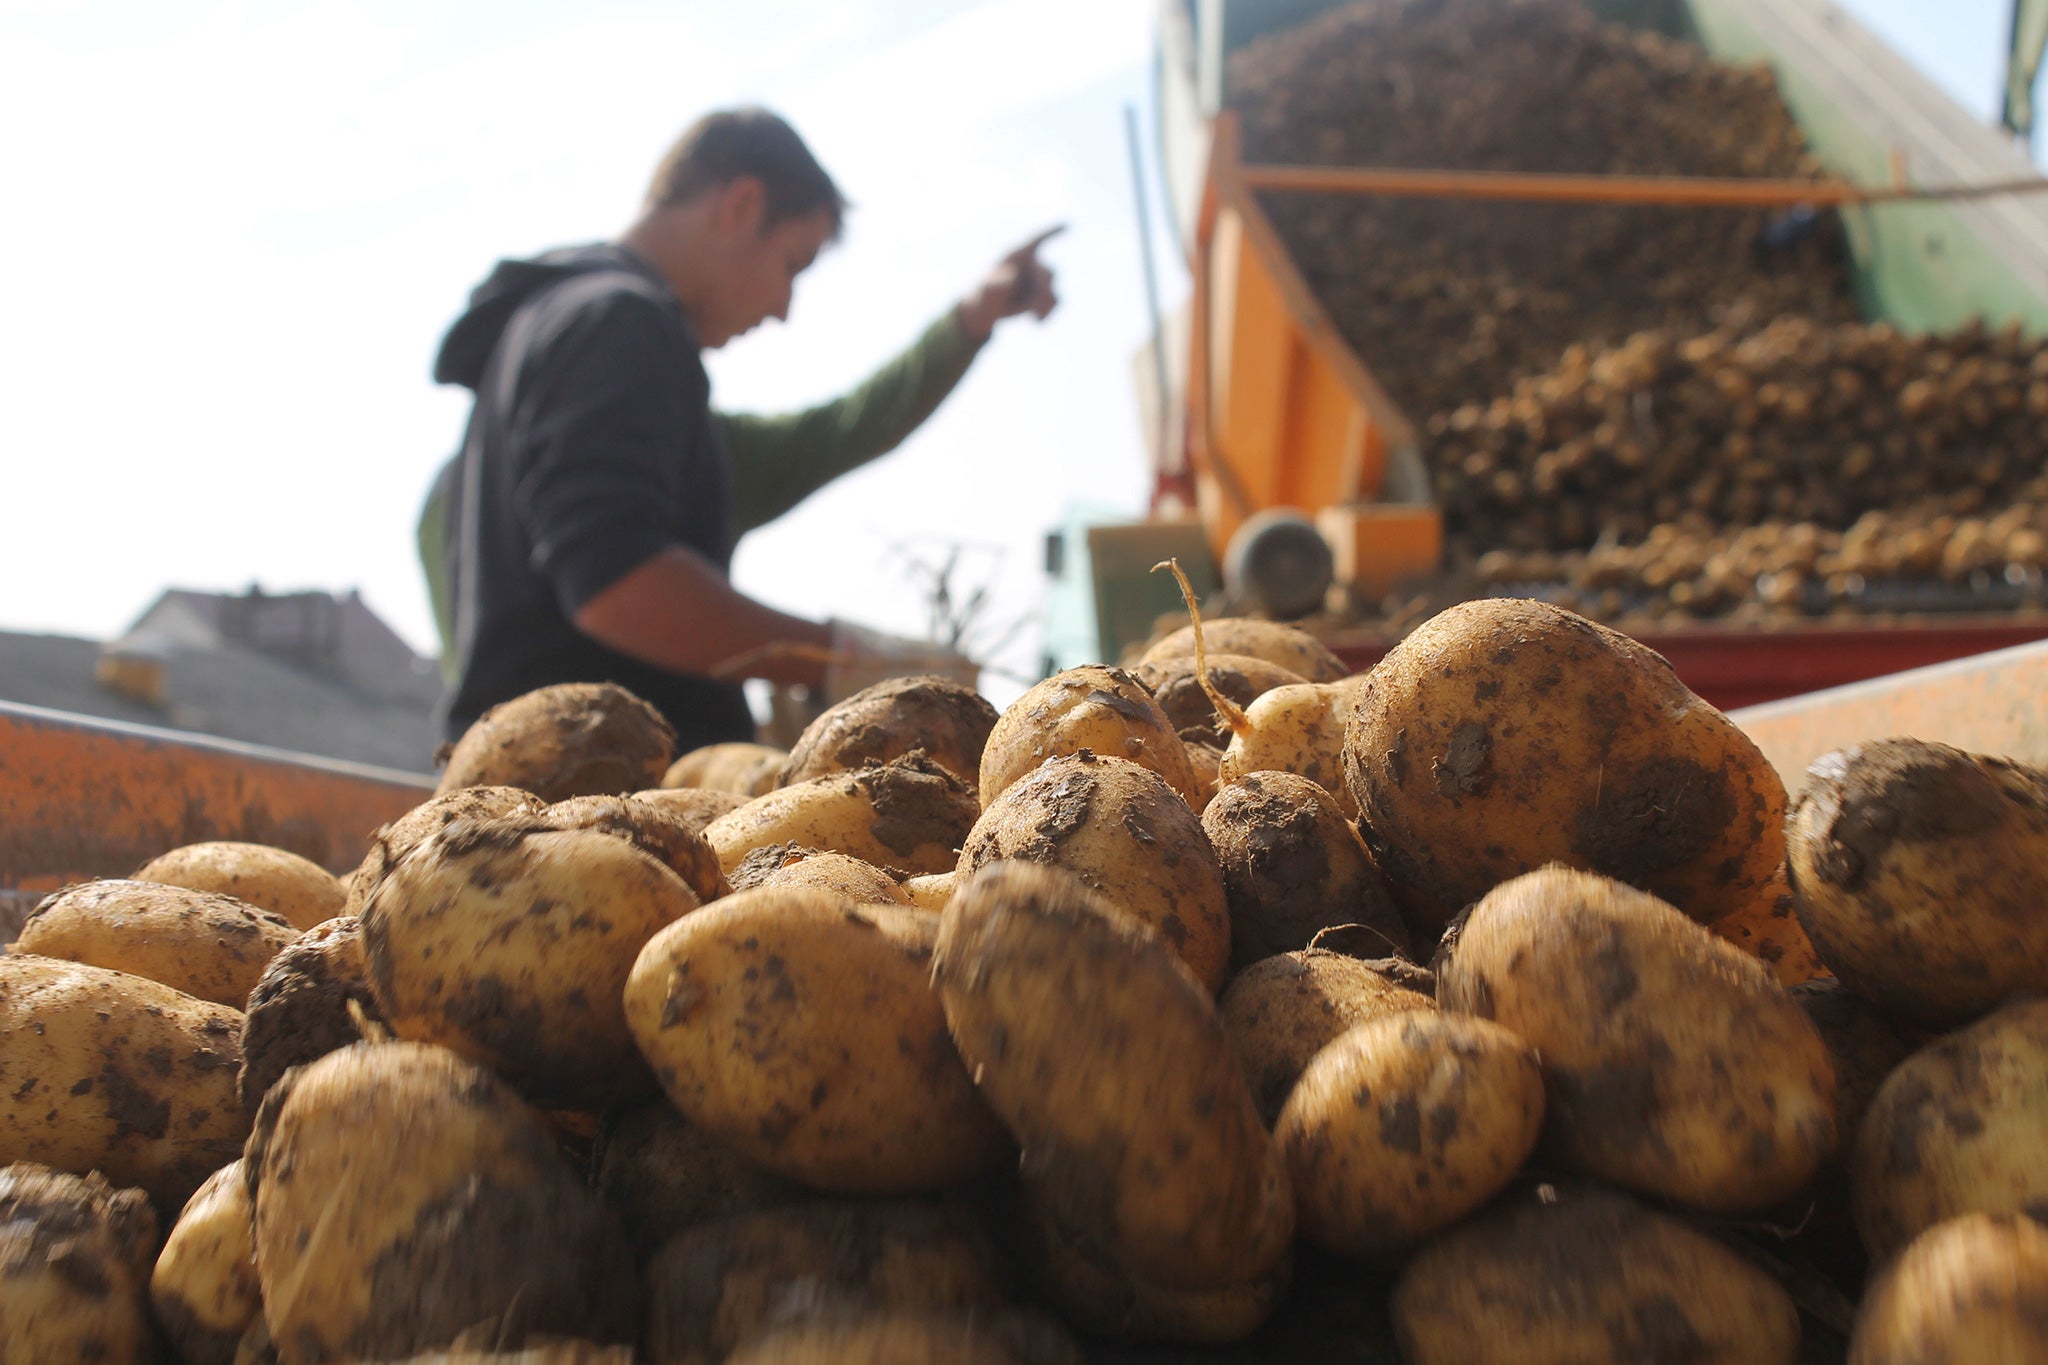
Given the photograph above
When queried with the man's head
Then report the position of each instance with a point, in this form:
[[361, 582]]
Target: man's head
[[736, 210]]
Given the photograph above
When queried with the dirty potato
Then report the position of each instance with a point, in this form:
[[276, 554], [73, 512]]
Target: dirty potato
[[209, 946], [1404, 1125], [839, 873], [305, 1005], [1292, 866], [1279, 644], [663, 1174], [1865, 1044], [570, 739], [696, 807], [377, 1249], [288, 886], [908, 815], [425, 820], [913, 1339], [747, 769], [1504, 735], [1956, 1129], [1768, 929], [933, 890], [1919, 872], [1177, 686], [947, 719], [1103, 710], [662, 834], [1105, 1058], [204, 1286], [1298, 730], [1674, 1062], [1281, 1012], [104, 1071], [1127, 834], [800, 1029], [1970, 1291], [510, 943], [74, 1270], [1577, 1275]]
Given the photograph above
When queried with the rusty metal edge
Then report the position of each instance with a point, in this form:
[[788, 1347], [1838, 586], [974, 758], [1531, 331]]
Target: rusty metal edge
[[256, 753]]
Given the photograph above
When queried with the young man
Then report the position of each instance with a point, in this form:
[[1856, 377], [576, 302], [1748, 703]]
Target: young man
[[584, 531]]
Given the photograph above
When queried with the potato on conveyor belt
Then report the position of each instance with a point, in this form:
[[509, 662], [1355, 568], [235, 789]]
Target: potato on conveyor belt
[[740, 766], [209, 946], [1104, 1056], [510, 942], [1505, 735], [274, 879], [801, 1029], [908, 814], [74, 1270], [569, 739], [1297, 729], [370, 1248], [1920, 872], [1124, 831], [1965, 1292], [1578, 1275], [948, 720], [104, 1071], [1955, 1129], [1674, 1063], [1094, 707], [1276, 642], [204, 1286]]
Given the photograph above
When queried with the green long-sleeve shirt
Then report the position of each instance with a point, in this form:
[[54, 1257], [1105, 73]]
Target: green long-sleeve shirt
[[776, 461]]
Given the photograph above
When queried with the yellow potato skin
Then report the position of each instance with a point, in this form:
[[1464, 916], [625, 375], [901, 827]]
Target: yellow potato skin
[[1674, 1063], [1298, 729], [204, 1287], [1103, 1055], [209, 946], [1589, 1277], [293, 888], [564, 740], [510, 944], [1277, 643], [1955, 1129], [748, 769], [1970, 1291], [932, 891], [908, 815], [1505, 735], [1282, 1011], [74, 1261], [1404, 1125], [1122, 830], [800, 1029], [839, 873], [101, 1070], [1104, 710]]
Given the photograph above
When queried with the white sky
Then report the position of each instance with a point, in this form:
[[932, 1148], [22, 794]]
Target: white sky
[[235, 231]]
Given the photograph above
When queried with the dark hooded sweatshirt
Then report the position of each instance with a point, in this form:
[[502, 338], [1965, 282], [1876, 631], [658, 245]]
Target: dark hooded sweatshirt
[[590, 449]]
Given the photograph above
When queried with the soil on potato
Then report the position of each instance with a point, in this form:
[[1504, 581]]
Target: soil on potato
[[299, 1010], [917, 804]]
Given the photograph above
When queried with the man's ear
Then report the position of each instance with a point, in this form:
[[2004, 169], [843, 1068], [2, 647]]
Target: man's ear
[[742, 208]]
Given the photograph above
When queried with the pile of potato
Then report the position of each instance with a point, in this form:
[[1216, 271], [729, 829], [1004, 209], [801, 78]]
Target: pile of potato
[[1491, 1006]]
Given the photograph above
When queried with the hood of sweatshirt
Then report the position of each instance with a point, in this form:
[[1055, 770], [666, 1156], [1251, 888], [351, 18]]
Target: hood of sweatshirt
[[467, 347]]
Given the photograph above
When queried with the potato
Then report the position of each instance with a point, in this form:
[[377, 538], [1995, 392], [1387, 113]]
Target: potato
[[510, 943], [749, 769], [1297, 730], [719, 1285], [914, 1339], [1205, 761], [304, 1006], [946, 719], [839, 873], [696, 807], [1292, 866], [1768, 928], [204, 1286], [425, 820], [908, 814], [1674, 1063], [1970, 1291], [1125, 833], [801, 1030], [1104, 710], [1504, 735], [74, 1265], [1103, 1055], [1404, 1125], [663, 1175], [933, 890], [1176, 685], [372, 1248], [661, 834], [209, 946], [104, 1071], [1864, 1044], [1919, 872], [1285, 646], [1956, 1129], [1281, 1012], [291, 887], [570, 739], [1576, 1275], [536, 1352]]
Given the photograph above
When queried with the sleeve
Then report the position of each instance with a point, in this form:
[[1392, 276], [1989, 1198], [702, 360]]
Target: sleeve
[[778, 461], [604, 443], [431, 535]]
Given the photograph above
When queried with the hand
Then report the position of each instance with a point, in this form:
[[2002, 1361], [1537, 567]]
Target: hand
[[1020, 283], [861, 657]]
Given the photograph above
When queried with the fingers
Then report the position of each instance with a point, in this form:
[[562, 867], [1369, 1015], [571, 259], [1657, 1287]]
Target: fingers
[[1023, 255]]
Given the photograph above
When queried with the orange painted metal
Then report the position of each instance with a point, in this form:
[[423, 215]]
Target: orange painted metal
[[82, 798]]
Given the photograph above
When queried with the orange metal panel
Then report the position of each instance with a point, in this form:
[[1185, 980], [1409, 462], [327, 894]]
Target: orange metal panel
[[82, 798]]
